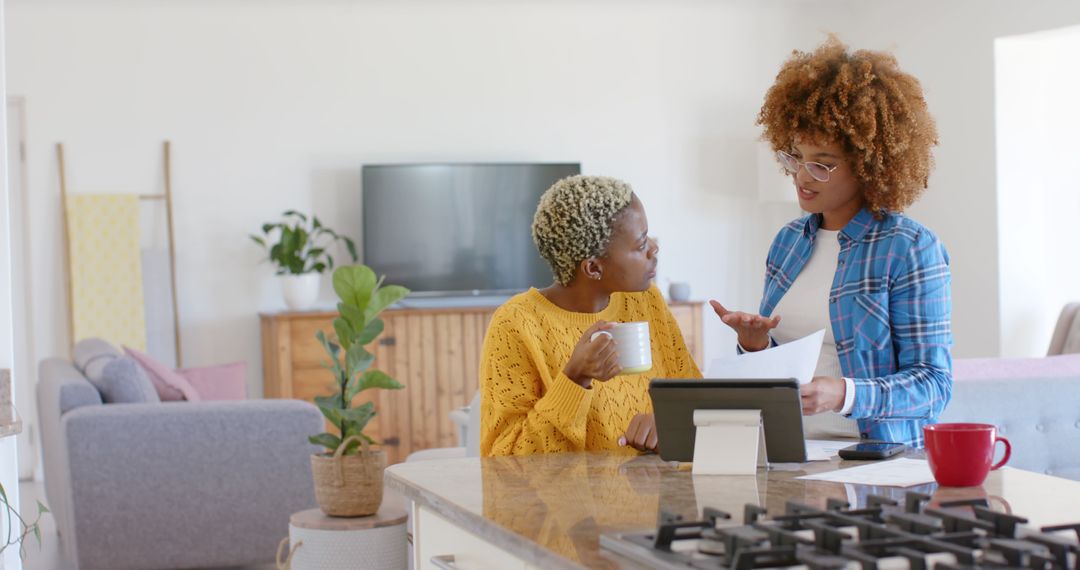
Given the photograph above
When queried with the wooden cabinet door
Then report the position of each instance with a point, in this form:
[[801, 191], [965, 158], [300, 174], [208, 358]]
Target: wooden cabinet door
[[688, 315], [436, 356]]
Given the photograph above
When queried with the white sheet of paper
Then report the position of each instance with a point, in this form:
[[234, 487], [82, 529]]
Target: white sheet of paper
[[902, 472], [795, 359], [826, 449]]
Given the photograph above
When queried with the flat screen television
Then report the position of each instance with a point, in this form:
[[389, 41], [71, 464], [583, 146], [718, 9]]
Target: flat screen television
[[456, 229]]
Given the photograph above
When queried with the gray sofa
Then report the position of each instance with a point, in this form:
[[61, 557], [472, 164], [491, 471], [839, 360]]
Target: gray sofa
[[1039, 416], [1034, 402], [170, 485]]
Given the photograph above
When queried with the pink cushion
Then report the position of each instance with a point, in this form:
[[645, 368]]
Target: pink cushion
[[1041, 367], [221, 382], [170, 386]]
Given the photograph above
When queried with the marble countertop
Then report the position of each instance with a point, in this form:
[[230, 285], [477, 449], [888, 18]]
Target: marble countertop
[[550, 510], [10, 424]]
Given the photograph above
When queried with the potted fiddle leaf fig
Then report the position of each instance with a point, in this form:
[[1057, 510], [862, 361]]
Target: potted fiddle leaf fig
[[300, 250], [349, 475]]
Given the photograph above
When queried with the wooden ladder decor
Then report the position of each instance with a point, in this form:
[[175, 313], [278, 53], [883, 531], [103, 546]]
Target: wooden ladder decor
[[166, 196]]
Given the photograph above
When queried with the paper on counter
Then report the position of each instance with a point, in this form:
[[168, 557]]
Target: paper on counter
[[826, 449], [902, 472], [796, 359]]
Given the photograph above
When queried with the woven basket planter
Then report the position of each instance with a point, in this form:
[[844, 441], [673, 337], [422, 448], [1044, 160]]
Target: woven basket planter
[[349, 485]]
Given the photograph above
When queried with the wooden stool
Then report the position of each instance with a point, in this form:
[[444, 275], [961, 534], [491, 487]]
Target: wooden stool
[[320, 542]]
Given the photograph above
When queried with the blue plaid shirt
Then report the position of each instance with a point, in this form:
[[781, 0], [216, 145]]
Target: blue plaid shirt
[[890, 310]]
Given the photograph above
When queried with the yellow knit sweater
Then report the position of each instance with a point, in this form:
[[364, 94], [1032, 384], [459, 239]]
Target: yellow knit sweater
[[529, 406]]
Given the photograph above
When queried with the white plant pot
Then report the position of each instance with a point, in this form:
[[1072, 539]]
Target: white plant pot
[[300, 291]]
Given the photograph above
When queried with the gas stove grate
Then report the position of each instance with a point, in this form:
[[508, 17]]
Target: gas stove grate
[[882, 535]]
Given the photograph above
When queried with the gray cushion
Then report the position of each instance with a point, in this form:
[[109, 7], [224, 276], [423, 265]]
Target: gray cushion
[[91, 356], [124, 382], [78, 394]]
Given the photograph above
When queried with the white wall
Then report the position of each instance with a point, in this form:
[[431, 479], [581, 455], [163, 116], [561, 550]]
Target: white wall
[[949, 46], [9, 457], [275, 105], [1038, 191]]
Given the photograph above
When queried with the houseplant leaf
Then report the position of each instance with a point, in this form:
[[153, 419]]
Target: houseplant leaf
[[331, 407], [333, 351], [351, 247], [327, 440], [378, 379], [383, 298], [344, 330], [359, 415], [372, 330], [352, 314], [295, 214], [356, 419], [358, 359], [353, 284]]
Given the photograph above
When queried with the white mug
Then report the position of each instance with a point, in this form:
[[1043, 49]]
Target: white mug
[[632, 345]]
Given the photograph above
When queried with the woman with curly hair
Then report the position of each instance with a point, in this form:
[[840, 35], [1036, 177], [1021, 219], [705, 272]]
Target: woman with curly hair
[[853, 131], [546, 384]]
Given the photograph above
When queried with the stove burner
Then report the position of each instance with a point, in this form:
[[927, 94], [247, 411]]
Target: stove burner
[[882, 535]]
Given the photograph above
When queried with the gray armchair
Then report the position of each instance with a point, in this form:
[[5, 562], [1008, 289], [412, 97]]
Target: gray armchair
[[170, 485], [1032, 401], [1066, 339]]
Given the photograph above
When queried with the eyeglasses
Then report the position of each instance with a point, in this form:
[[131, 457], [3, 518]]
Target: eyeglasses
[[816, 170]]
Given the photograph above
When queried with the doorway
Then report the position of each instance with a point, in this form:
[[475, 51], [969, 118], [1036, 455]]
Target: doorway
[[1038, 193], [24, 361]]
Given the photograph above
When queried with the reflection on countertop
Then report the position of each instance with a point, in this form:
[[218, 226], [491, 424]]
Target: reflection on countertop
[[550, 510]]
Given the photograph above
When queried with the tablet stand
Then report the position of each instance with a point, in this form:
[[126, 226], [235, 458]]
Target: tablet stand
[[728, 442]]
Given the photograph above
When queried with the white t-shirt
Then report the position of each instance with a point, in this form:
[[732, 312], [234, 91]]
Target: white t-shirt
[[804, 309]]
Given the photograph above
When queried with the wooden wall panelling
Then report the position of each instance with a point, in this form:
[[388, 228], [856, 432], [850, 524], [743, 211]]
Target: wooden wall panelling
[[415, 381], [470, 353], [395, 362], [446, 355], [431, 380], [277, 358]]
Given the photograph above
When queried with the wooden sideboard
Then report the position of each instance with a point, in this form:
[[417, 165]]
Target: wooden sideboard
[[435, 353]]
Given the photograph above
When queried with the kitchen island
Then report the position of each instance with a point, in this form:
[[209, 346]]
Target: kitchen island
[[549, 511]]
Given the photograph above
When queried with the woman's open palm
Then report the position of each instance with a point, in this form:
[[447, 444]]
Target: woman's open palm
[[753, 330]]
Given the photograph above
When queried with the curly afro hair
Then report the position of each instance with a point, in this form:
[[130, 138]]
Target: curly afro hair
[[864, 102], [575, 219]]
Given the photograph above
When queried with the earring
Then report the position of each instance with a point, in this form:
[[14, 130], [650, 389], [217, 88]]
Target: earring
[[597, 276]]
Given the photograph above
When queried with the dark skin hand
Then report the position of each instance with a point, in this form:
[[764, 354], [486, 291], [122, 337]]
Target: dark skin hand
[[641, 433], [753, 330], [593, 359], [823, 394]]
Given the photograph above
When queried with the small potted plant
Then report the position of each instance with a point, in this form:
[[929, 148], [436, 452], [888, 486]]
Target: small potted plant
[[17, 527], [349, 475], [301, 253]]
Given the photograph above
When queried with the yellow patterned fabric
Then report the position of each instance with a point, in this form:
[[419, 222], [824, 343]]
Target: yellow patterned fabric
[[106, 269], [529, 406]]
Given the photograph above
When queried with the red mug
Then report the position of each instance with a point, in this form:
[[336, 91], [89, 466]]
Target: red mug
[[960, 455]]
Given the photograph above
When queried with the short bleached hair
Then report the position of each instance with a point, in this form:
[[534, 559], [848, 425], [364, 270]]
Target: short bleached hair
[[575, 219]]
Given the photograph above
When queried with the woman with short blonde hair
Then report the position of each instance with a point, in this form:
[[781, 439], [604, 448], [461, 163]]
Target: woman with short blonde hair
[[546, 383]]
